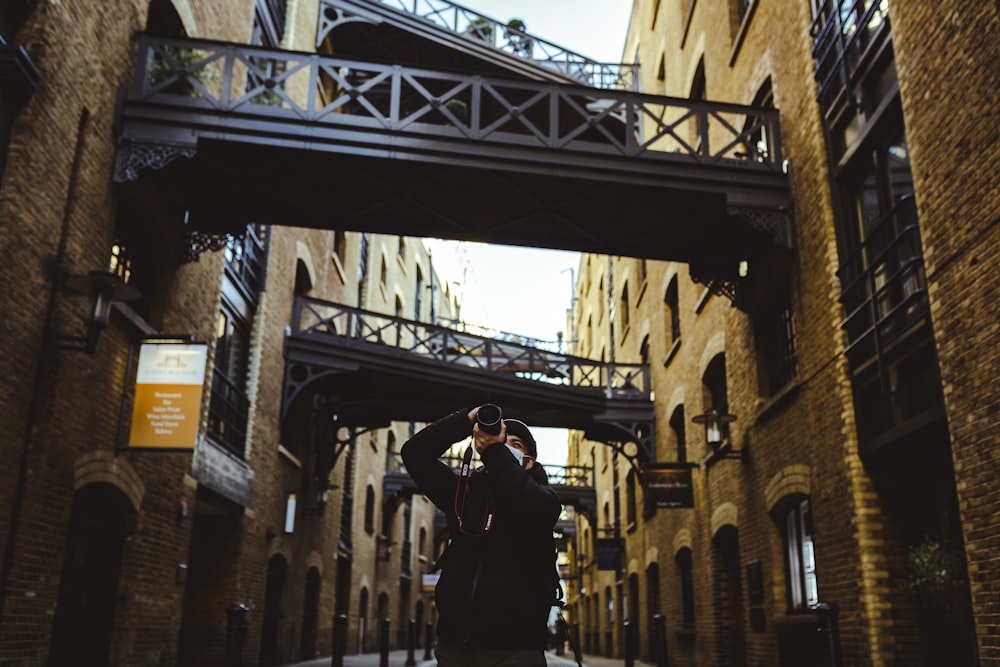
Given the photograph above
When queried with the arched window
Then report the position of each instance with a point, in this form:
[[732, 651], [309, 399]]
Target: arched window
[[370, 510], [686, 581]]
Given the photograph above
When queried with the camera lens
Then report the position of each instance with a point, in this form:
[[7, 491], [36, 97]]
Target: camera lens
[[488, 417]]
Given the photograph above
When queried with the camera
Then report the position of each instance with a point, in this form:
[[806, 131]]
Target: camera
[[489, 418]]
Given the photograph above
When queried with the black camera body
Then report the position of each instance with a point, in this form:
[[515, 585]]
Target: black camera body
[[490, 418]]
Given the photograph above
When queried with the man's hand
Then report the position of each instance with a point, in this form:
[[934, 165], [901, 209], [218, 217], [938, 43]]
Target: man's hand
[[480, 439]]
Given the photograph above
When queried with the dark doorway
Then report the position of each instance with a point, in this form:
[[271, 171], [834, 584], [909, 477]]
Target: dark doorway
[[310, 613], [277, 576], [81, 632], [652, 609], [727, 596]]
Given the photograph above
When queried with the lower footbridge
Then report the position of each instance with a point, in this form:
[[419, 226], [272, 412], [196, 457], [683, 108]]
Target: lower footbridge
[[367, 369]]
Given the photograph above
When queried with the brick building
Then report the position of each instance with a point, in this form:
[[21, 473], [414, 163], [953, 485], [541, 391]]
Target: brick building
[[115, 555], [850, 499]]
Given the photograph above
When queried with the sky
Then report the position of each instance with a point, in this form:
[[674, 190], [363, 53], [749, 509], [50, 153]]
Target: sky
[[593, 28], [527, 291]]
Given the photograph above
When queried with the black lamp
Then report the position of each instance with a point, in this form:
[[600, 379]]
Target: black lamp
[[716, 434], [103, 288]]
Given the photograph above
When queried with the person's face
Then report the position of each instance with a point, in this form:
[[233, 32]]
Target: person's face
[[518, 444]]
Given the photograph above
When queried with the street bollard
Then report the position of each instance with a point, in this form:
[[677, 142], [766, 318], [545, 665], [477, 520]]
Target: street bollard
[[339, 643], [577, 654], [428, 641], [383, 642], [629, 645], [236, 631], [660, 639], [411, 643]]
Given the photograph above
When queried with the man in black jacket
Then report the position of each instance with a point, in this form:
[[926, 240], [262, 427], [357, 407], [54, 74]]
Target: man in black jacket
[[498, 576]]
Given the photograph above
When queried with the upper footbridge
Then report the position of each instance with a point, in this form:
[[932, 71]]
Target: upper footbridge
[[226, 134], [454, 35], [372, 369]]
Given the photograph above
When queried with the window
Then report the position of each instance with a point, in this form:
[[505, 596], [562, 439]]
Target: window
[[800, 558], [229, 407], [418, 294], [340, 246], [757, 146], [774, 336], [698, 86], [401, 249], [246, 261], [715, 393], [383, 273], [363, 268], [685, 571], [370, 510], [625, 309], [406, 552], [680, 438], [673, 311], [630, 499]]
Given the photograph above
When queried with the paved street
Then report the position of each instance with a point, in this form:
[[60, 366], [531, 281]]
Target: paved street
[[398, 659]]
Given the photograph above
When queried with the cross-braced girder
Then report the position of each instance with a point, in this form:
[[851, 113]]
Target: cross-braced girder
[[386, 368], [327, 142]]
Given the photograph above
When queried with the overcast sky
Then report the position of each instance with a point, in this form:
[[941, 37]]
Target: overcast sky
[[526, 290]]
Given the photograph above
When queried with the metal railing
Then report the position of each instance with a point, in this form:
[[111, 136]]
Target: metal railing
[[354, 95], [571, 476], [841, 30], [228, 414], [510, 37], [883, 287], [428, 342]]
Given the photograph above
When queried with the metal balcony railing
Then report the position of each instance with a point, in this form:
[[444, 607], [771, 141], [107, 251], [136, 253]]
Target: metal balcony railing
[[308, 95], [246, 261], [510, 37], [842, 30], [883, 284], [313, 317], [228, 414]]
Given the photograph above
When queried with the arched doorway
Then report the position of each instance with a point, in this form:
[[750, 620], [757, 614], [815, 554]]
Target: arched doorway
[[727, 595], [363, 621], [310, 613], [81, 630], [277, 576]]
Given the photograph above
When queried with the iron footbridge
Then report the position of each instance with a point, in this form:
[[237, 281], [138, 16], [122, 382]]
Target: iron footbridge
[[358, 144], [372, 369]]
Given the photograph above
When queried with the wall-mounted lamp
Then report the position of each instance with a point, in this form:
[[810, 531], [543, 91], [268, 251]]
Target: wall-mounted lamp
[[717, 433], [385, 542], [103, 288]]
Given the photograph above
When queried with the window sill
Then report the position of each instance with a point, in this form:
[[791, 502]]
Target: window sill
[[776, 403], [672, 352], [742, 33], [288, 456], [702, 301], [339, 267]]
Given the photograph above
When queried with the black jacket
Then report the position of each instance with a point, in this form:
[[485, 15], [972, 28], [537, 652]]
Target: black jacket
[[495, 591]]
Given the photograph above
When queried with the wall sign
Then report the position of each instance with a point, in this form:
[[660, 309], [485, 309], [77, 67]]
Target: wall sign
[[167, 402], [668, 485]]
